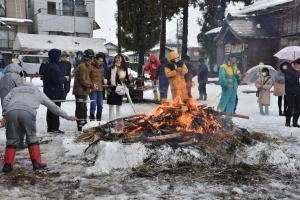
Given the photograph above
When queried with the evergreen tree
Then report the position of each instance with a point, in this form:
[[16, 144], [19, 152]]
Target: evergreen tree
[[140, 27]]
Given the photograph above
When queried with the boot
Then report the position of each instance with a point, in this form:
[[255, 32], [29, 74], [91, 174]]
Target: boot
[[98, 116], [261, 111], [155, 95], [295, 121], [267, 110], [288, 121], [35, 156], [92, 117], [280, 113], [205, 97], [8, 160]]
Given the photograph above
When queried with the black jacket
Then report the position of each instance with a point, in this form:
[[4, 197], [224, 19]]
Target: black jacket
[[54, 79], [292, 80], [66, 67]]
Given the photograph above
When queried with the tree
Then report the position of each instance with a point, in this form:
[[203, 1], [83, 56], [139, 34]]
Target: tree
[[185, 19], [140, 31]]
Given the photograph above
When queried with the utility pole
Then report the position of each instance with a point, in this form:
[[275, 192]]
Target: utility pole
[[74, 6]]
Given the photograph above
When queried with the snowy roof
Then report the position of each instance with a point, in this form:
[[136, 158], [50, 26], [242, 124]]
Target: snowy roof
[[36, 42], [247, 28], [262, 5], [5, 19], [157, 48], [215, 30]]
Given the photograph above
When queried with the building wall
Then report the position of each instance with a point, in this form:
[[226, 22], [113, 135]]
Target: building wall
[[61, 24], [14, 10]]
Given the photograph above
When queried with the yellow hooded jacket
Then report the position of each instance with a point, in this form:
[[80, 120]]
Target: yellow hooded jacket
[[176, 79]]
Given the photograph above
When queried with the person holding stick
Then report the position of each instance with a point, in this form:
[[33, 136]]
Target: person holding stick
[[19, 117]]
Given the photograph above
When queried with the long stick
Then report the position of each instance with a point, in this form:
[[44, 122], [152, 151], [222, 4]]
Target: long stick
[[233, 115], [75, 100], [129, 98]]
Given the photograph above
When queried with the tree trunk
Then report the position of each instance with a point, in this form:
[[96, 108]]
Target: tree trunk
[[185, 29], [119, 26], [141, 62], [163, 30]]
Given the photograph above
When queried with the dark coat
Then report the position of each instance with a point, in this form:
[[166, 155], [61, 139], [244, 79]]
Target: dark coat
[[190, 74], [113, 98], [292, 80], [202, 74], [53, 78], [66, 68], [161, 75]]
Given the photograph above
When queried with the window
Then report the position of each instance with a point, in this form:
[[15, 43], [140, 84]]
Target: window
[[51, 8], [30, 59], [68, 7], [7, 38]]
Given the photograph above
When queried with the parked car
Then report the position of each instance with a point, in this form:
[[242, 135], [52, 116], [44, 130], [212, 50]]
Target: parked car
[[31, 63]]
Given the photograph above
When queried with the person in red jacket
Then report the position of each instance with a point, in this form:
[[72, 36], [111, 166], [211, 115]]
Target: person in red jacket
[[151, 68]]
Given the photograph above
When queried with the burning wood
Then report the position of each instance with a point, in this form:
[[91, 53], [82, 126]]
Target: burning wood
[[172, 122]]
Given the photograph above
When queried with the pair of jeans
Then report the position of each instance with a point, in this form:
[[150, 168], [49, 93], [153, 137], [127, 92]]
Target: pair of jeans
[[97, 96], [52, 120]]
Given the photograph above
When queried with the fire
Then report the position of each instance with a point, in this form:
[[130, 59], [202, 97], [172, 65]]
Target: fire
[[174, 116]]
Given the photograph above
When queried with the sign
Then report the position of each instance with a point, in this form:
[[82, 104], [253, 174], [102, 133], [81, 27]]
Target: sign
[[233, 48]]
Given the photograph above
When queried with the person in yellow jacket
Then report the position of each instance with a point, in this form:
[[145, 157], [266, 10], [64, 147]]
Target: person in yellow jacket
[[175, 71]]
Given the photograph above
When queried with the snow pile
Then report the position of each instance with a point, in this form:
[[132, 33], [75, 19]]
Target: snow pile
[[268, 154], [111, 156], [262, 5]]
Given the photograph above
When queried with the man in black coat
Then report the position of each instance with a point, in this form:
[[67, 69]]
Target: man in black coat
[[292, 90], [53, 81], [66, 68]]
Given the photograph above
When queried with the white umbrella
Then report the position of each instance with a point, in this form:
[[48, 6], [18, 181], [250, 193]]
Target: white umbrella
[[253, 73], [289, 53]]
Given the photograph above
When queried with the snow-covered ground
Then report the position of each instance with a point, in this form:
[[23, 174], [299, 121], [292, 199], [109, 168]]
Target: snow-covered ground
[[70, 175]]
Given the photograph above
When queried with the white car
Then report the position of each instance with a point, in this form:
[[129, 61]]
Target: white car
[[31, 63]]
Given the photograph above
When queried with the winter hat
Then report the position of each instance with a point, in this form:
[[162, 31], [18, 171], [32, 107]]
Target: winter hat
[[173, 55], [88, 54]]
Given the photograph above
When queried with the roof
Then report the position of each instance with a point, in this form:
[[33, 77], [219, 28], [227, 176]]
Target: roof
[[16, 20], [262, 5], [37, 42], [247, 28]]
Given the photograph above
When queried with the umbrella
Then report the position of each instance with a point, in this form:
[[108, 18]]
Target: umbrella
[[289, 53], [253, 73]]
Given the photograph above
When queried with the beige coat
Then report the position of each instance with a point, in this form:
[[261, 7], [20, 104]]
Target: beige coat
[[279, 85], [264, 85]]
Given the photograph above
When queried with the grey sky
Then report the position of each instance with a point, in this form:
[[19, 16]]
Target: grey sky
[[105, 16]]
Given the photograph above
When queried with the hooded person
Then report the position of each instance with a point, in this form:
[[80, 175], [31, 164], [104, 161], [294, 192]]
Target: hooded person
[[175, 71], [229, 78], [163, 82], [19, 117], [12, 78], [53, 83], [82, 87], [151, 68]]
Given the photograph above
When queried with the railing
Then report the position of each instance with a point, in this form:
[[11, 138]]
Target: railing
[[62, 12]]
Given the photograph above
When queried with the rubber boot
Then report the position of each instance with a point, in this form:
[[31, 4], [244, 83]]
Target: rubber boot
[[267, 110], [8, 160], [35, 156], [295, 121], [261, 110]]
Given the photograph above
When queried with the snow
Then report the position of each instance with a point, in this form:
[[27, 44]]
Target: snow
[[113, 159], [17, 20], [212, 31], [261, 5]]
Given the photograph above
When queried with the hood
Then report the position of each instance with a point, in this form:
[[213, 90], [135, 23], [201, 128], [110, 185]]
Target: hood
[[54, 55], [153, 57], [13, 68]]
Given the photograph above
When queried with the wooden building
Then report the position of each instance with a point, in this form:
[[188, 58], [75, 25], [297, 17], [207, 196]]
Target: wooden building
[[258, 31]]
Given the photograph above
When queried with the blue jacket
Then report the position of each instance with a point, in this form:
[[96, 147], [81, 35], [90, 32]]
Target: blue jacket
[[54, 77], [160, 74]]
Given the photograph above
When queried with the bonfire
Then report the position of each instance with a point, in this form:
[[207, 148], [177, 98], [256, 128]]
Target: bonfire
[[172, 122]]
